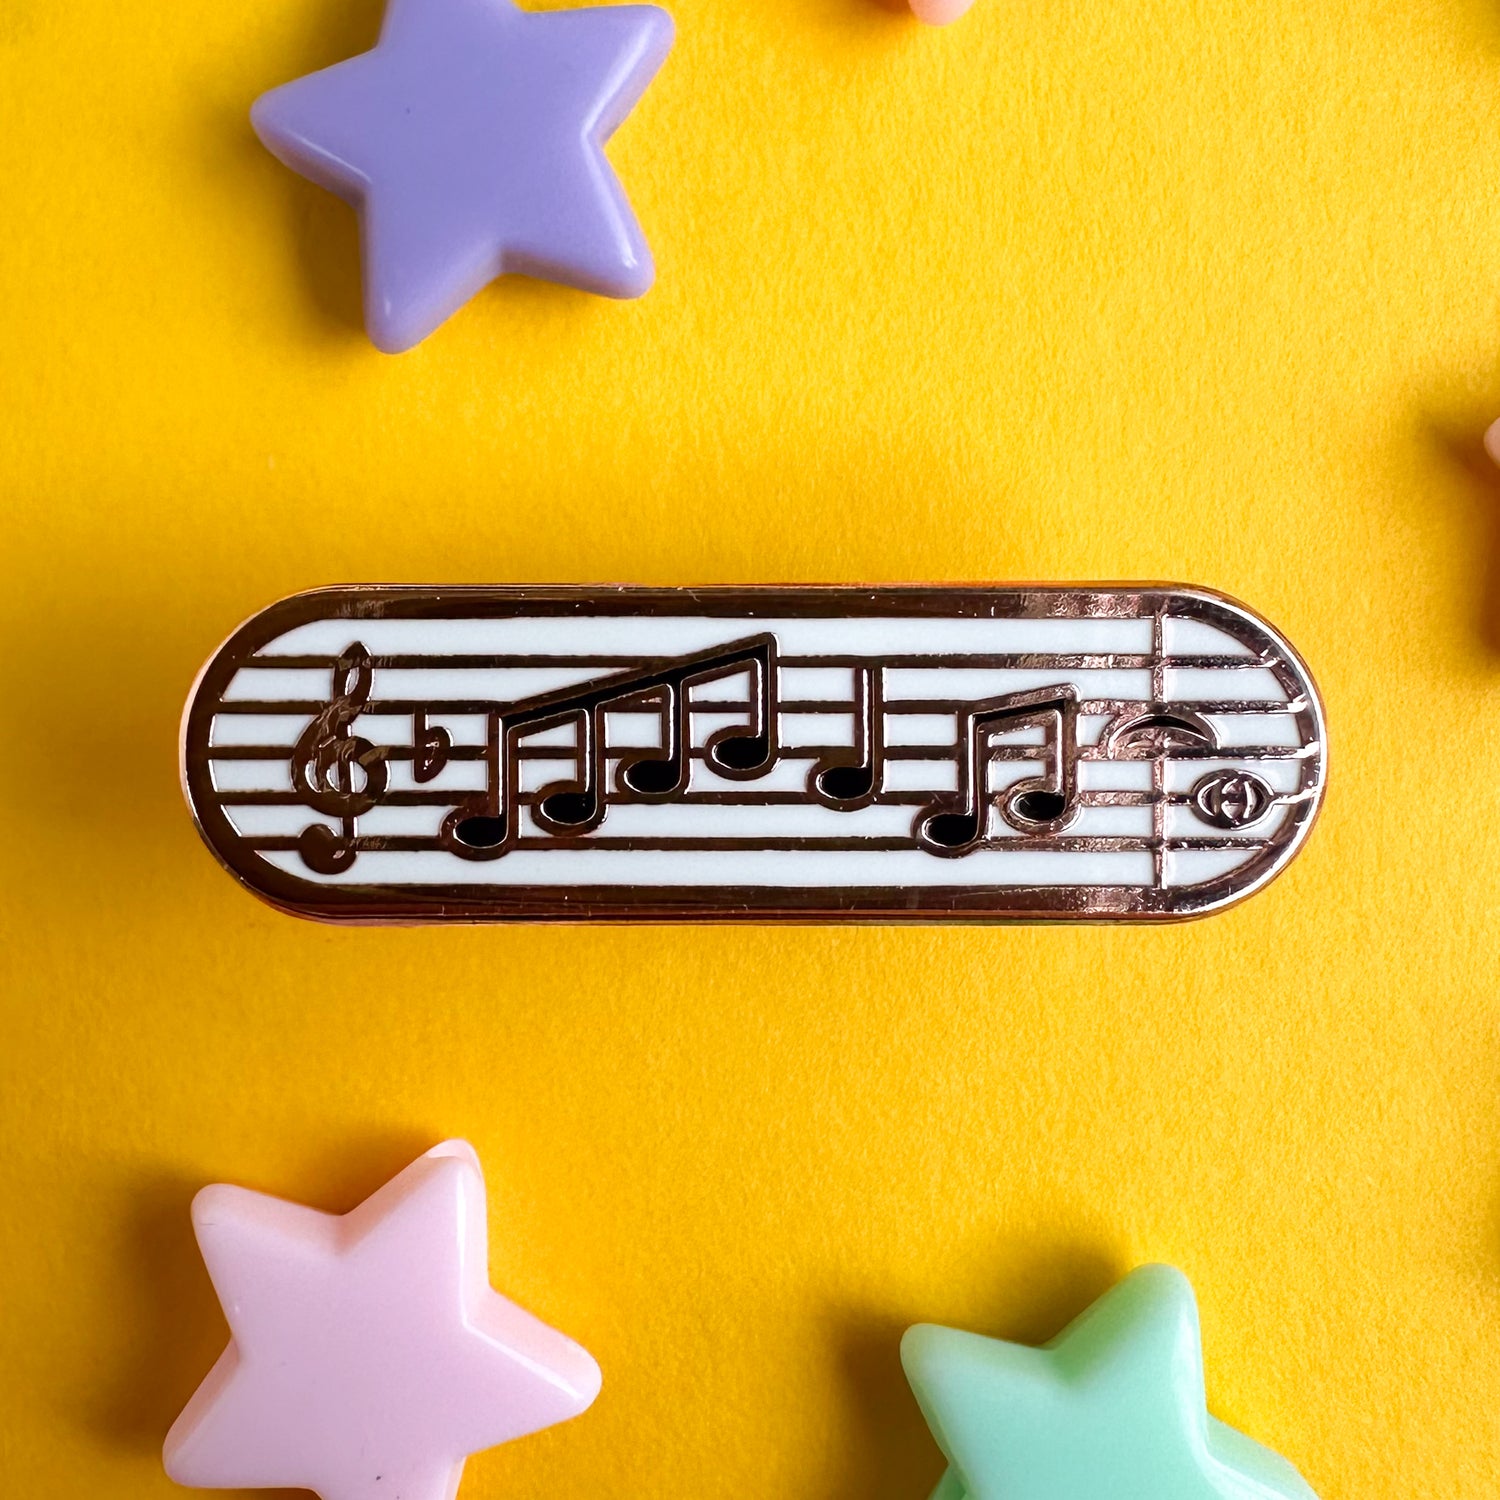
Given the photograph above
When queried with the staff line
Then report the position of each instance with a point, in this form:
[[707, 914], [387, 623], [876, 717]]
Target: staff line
[[909, 797], [1020, 843], [1080, 661], [405, 707], [1096, 754]]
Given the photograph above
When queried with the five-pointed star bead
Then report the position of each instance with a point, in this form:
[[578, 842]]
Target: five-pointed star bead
[[1114, 1406], [471, 140], [369, 1354]]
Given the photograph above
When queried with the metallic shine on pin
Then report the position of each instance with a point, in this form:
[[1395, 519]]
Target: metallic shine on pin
[[912, 754]]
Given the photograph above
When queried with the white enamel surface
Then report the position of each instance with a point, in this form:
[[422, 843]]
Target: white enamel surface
[[1128, 665], [768, 868]]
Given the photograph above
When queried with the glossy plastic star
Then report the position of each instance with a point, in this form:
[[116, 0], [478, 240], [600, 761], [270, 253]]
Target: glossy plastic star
[[939, 12], [1113, 1406], [369, 1355], [471, 140]]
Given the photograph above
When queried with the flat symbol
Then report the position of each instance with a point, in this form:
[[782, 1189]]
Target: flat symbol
[[471, 140], [369, 1356]]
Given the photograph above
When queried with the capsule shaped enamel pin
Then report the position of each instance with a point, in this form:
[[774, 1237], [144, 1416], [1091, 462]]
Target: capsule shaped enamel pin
[[900, 754]]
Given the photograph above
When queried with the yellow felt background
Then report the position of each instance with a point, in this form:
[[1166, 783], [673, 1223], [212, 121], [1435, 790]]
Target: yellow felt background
[[1204, 290]]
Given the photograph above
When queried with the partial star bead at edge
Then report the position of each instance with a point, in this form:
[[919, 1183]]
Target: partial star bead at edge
[[940, 12], [471, 142], [1113, 1406], [369, 1355]]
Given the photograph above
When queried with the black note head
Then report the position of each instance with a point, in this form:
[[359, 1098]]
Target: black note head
[[949, 833], [1039, 806], [480, 832], [569, 809], [845, 783], [652, 778], [739, 754]]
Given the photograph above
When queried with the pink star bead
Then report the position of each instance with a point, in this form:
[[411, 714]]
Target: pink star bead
[[369, 1356], [939, 12]]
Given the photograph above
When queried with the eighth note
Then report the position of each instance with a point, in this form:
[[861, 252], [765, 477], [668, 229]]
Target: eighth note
[[1038, 805], [738, 753], [574, 807], [741, 754], [654, 775], [480, 827]]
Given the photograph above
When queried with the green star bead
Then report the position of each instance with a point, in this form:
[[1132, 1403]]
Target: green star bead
[[1112, 1409]]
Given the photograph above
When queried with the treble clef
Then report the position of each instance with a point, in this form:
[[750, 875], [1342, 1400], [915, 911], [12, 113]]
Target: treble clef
[[337, 773]]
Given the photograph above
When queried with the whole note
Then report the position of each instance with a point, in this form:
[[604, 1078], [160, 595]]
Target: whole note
[[335, 772]]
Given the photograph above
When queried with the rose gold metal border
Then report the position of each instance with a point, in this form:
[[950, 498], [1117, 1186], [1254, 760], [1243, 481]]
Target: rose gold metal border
[[959, 902]]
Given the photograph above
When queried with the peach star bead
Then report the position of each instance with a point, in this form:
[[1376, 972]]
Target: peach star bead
[[369, 1355], [939, 12]]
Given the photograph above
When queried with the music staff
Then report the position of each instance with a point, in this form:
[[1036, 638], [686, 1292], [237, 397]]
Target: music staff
[[344, 776], [574, 806]]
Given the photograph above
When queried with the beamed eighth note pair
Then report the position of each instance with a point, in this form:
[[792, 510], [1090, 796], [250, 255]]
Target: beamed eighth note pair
[[1115, 753]]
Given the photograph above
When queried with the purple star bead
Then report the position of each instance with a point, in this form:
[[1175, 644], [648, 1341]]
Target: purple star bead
[[471, 141]]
